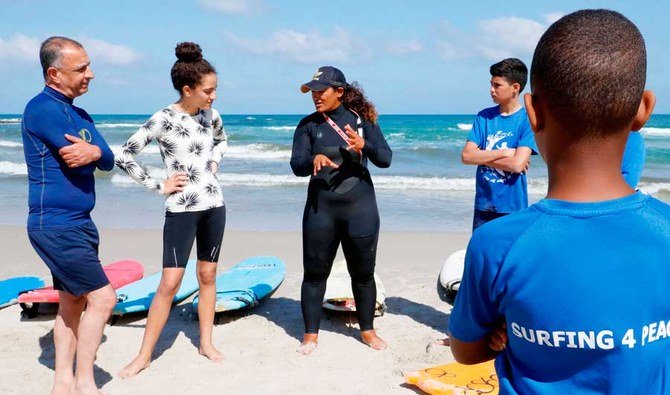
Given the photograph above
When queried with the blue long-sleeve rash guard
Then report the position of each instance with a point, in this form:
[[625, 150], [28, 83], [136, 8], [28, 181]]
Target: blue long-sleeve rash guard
[[59, 196]]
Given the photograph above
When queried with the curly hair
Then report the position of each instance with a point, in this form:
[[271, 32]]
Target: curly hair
[[190, 66], [354, 99]]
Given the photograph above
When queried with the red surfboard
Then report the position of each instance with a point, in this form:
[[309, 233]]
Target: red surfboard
[[119, 274]]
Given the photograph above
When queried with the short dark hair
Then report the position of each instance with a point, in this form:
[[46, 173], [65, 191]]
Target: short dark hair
[[590, 68], [50, 51], [190, 66], [511, 69]]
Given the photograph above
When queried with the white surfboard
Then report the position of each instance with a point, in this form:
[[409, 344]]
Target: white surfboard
[[450, 275], [340, 297]]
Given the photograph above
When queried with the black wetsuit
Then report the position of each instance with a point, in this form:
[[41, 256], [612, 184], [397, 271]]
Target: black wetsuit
[[341, 207]]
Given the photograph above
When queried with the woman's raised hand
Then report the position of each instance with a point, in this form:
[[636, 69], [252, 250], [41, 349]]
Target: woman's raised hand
[[356, 142]]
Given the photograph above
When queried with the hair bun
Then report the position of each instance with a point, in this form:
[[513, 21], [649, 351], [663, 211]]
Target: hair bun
[[188, 52]]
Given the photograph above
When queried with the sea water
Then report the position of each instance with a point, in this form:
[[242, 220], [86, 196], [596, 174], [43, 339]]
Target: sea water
[[427, 188]]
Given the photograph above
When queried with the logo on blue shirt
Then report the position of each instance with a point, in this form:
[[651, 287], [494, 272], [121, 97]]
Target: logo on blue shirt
[[85, 135]]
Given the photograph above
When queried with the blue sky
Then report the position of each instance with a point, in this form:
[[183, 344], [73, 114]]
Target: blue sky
[[411, 57]]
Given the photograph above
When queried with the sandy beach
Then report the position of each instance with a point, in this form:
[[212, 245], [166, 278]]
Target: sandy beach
[[259, 344]]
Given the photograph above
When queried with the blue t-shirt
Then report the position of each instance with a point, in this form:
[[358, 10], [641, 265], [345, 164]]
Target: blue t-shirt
[[583, 290], [58, 195], [498, 190], [633, 159]]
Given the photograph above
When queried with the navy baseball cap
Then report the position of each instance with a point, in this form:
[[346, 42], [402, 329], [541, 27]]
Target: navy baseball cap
[[325, 76]]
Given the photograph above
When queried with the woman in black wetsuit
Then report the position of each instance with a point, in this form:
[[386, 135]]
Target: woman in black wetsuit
[[333, 146]]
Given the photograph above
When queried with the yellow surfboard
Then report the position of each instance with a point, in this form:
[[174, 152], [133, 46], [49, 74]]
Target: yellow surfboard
[[456, 379]]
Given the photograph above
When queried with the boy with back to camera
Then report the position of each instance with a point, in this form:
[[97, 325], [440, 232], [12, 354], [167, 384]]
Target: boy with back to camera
[[500, 144], [569, 295]]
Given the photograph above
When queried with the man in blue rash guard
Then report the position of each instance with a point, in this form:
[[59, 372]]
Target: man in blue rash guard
[[62, 150]]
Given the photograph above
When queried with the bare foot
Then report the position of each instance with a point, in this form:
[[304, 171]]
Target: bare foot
[[62, 387], [137, 365], [211, 353], [371, 339], [85, 389], [309, 343]]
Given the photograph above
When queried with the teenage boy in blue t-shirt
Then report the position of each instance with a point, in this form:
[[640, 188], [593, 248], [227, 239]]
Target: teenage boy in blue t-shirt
[[500, 144], [572, 292]]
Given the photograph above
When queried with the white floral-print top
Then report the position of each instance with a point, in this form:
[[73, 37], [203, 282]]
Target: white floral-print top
[[189, 144]]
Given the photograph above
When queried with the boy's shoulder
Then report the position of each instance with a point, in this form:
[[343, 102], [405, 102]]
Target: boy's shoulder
[[662, 208], [495, 238], [489, 112]]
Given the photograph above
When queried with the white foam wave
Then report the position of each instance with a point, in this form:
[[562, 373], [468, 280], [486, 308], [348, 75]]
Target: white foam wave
[[13, 169], [251, 118], [396, 136], [424, 183], [261, 180], [117, 125], [10, 120], [659, 132], [537, 186], [256, 151], [10, 144], [464, 126], [279, 127], [654, 187]]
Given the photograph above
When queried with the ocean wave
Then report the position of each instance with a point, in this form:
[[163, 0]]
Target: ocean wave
[[279, 127], [117, 125], [651, 188], [396, 136], [257, 151], [656, 132], [10, 120], [233, 179], [251, 118], [13, 169], [10, 144], [464, 126], [424, 183], [536, 186]]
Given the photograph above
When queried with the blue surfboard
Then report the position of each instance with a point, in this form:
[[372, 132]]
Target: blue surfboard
[[247, 283], [136, 297], [12, 287]]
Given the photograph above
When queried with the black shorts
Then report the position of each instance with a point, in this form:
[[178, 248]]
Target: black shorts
[[182, 228]]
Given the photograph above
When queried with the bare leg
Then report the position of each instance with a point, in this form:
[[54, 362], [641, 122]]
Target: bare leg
[[100, 304], [158, 315], [371, 339], [206, 302], [65, 341], [309, 343]]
